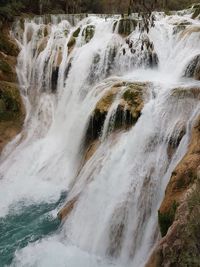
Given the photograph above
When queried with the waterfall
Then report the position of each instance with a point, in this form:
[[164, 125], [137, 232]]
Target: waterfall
[[66, 66]]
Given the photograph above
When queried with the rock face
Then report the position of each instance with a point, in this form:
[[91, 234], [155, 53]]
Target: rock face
[[179, 214], [193, 68], [88, 33], [196, 11], [128, 110], [125, 26], [12, 111]]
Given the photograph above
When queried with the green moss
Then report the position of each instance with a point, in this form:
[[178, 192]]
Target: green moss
[[129, 96], [76, 32], [5, 67], [166, 219], [10, 101]]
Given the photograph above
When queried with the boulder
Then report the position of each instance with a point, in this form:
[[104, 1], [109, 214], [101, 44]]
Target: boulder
[[128, 110]]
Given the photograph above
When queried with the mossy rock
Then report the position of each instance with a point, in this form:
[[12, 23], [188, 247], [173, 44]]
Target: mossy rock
[[10, 102], [127, 112], [5, 67], [196, 12], [76, 32], [88, 33], [12, 112], [8, 46], [193, 68], [125, 27], [166, 219]]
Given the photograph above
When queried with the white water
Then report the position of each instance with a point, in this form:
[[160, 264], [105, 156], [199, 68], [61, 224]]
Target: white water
[[120, 188]]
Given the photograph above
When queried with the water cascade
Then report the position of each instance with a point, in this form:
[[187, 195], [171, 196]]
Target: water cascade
[[67, 67]]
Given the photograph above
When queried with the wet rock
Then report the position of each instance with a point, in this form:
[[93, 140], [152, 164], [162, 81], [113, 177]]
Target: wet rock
[[125, 26], [42, 44], [54, 78], [179, 214], [190, 30], [128, 110], [193, 68], [67, 209], [180, 27], [76, 32], [71, 44], [88, 33], [153, 59], [68, 68], [12, 112], [187, 92]]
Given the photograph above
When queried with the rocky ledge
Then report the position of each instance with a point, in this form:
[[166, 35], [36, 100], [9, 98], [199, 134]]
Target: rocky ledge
[[12, 111]]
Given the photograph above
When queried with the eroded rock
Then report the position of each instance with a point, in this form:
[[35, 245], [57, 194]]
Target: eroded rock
[[125, 26], [193, 68], [128, 110]]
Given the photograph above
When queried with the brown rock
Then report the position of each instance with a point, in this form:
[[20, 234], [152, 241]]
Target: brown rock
[[66, 210], [128, 110], [180, 247]]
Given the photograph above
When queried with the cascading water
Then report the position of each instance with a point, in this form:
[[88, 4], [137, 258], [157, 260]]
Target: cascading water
[[63, 72]]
